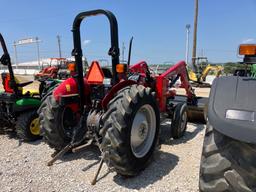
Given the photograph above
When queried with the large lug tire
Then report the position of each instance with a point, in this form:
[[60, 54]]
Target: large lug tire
[[6, 126], [27, 126], [56, 123], [130, 131], [179, 120], [227, 164]]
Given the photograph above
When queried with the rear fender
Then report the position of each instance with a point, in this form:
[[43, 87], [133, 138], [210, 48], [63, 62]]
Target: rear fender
[[67, 93], [26, 104], [69, 87], [114, 90]]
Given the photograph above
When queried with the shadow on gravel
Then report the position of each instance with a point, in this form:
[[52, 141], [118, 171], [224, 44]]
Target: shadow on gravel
[[161, 166], [89, 153], [10, 133], [165, 134], [37, 142]]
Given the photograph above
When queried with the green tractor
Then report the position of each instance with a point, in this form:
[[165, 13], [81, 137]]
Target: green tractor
[[228, 161], [18, 107]]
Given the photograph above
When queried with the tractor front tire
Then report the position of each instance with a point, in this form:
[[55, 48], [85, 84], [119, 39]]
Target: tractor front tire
[[179, 120], [56, 123], [227, 164], [130, 131], [27, 126]]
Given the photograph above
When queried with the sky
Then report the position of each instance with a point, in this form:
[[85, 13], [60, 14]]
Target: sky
[[158, 28]]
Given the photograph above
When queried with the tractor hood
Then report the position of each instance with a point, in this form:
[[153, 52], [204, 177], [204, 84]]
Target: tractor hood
[[232, 107]]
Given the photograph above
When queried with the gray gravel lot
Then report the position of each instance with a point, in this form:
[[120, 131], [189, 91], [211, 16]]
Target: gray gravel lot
[[175, 167]]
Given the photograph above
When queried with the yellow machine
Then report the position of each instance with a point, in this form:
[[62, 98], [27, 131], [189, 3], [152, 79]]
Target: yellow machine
[[203, 72]]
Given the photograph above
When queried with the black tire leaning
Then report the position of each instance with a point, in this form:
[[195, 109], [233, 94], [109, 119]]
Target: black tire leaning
[[179, 120], [51, 124], [23, 123], [117, 130], [227, 164]]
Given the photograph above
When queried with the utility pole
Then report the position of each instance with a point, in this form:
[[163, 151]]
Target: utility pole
[[15, 53], [38, 51], [195, 36], [58, 38], [123, 48], [187, 41]]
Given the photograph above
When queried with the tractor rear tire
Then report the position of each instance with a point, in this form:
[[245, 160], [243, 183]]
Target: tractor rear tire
[[130, 131], [27, 126], [179, 120], [52, 117], [227, 164]]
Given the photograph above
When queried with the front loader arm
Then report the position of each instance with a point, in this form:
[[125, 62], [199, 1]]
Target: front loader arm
[[163, 84], [141, 68]]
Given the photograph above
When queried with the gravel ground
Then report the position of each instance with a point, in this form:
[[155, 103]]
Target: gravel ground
[[175, 167]]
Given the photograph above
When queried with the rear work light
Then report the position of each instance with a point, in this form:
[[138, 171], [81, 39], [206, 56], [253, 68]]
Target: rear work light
[[247, 49], [121, 68]]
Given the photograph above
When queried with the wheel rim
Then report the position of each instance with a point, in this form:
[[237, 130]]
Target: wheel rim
[[35, 126], [183, 121], [143, 131], [68, 121]]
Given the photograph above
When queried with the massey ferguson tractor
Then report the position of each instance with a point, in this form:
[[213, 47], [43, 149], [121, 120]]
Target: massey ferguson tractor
[[118, 110], [228, 160]]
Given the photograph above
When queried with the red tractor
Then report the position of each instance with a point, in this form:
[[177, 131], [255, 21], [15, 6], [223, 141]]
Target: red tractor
[[50, 71], [62, 69], [118, 110]]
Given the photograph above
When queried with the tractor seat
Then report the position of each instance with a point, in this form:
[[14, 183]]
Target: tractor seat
[[23, 84], [8, 88], [27, 91], [30, 92]]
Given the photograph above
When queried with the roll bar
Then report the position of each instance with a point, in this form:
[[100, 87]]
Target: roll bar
[[6, 60], [3, 44], [77, 51]]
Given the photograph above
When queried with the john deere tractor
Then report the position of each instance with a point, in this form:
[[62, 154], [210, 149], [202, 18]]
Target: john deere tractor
[[229, 152], [18, 107]]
